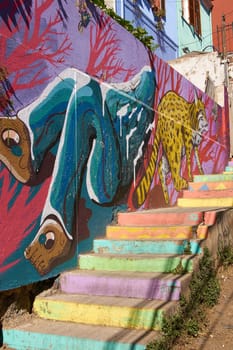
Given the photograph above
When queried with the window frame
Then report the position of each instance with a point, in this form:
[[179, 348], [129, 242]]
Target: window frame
[[191, 12]]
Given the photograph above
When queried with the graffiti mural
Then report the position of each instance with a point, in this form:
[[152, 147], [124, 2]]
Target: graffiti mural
[[90, 123], [86, 124]]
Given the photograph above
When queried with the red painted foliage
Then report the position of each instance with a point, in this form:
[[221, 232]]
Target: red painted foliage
[[104, 62], [31, 48], [15, 220]]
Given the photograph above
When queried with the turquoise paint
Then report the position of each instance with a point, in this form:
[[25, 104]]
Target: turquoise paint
[[21, 340], [144, 247], [186, 35]]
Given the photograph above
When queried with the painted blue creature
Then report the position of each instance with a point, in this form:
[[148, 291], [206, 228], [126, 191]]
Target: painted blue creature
[[97, 133]]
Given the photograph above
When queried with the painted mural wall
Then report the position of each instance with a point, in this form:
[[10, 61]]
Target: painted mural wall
[[90, 123]]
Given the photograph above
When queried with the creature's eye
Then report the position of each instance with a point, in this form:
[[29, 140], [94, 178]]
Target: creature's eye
[[10, 138], [47, 239]]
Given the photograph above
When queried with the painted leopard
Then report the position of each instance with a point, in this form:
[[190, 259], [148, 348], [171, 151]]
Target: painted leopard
[[180, 127]]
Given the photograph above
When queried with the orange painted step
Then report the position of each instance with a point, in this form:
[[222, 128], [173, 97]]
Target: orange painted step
[[206, 186], [208, 194], [161, 217], [149, 232]]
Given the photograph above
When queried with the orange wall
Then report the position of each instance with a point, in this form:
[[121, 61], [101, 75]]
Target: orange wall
[[222, 8]]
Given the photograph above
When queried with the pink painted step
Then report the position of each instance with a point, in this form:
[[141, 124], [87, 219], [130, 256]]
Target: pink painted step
[[208, 194], [206, 186], [161, 217]]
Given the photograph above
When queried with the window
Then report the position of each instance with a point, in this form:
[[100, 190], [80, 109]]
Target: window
[[191, 13], [158, 6], [162, 5]]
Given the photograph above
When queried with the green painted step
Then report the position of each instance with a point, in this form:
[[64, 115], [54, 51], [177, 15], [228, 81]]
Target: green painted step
[[38, 334], [212, 177], [110, 246], [121, 312], [132, 262]]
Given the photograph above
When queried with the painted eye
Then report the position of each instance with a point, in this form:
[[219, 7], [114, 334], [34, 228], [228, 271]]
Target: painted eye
[[10, 138], [47, 239]]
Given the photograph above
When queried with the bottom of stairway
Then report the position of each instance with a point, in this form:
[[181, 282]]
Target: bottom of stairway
[[36, 333]]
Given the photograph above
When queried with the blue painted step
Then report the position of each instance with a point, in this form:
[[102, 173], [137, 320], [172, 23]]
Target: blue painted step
[[146, 247]]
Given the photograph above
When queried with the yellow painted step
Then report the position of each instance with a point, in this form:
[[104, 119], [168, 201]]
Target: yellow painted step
[[106, 311], [222, 202]]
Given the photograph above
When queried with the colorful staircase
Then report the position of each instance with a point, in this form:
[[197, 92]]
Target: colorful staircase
[[120, 292]]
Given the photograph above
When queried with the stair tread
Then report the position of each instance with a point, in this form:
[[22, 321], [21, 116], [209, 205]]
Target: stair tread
[[128, 274], [135, 226], [138, 256], [149, 240], [106, 301], [83, 331], [174, 209]]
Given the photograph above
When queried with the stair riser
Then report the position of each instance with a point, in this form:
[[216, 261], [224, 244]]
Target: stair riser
[[203, 186], [147, 232], [213, 178], [208, 194], [122, 287], [21, 340], [104, 315], [204, 202], [130, 264], [160, 219], [144, 247]]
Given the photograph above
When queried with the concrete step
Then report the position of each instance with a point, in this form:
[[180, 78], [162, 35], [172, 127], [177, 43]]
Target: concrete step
[[213, 177], [149, 232], [170, 216], [140, 263], [222, 202], [38, 334], [125, 284], [208, 194], [165, 246], [161, 217], [105, 311], [215, 185]]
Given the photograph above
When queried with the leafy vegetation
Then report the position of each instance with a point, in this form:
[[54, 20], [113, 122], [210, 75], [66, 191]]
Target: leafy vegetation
[[226, 256], [204, 292]]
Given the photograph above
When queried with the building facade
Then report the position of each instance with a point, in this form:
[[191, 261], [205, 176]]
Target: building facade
[[222, 20], [194, 26], [177, 27]]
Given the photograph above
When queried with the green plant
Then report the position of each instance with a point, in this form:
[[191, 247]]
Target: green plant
[[226, 256], [204, 292], [187, 248], [179, 269], [192, 327]]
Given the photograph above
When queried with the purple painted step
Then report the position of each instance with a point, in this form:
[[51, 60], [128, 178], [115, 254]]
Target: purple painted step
[[123, 284]]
